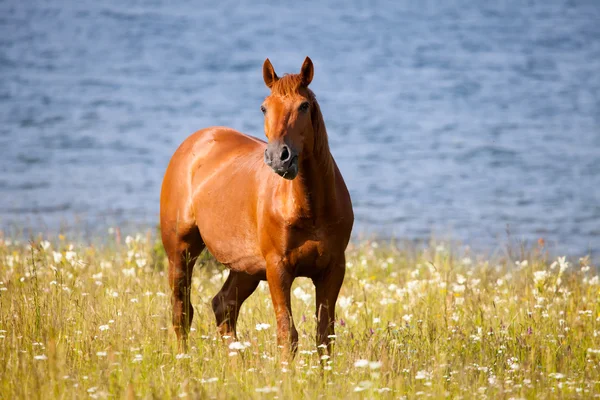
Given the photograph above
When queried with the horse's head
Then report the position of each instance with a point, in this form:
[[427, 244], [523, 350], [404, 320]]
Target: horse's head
[[287, 113]]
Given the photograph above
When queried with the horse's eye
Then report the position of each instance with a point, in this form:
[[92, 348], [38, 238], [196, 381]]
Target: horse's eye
[[263, 109], [304, 106]]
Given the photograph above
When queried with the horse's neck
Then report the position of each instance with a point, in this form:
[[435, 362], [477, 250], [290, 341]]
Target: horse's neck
[[310, 195], [314, 188]]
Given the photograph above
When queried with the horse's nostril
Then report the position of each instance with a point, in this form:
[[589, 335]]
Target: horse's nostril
[[267, 157], [285, 153]]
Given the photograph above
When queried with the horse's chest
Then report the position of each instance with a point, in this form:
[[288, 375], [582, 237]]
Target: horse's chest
[[305, 245], [310, 254]]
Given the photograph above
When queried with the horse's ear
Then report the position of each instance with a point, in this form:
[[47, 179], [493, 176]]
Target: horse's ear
[[269, 74], [307, 71]]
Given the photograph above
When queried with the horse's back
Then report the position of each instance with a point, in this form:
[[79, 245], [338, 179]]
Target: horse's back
[[213, 143]]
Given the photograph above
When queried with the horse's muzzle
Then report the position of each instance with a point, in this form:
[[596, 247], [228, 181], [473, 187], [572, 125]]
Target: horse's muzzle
[[282, 159]]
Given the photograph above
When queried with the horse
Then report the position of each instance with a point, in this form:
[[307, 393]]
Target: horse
[[270, 211]]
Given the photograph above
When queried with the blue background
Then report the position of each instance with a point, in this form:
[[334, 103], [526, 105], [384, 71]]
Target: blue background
[[453, 119]]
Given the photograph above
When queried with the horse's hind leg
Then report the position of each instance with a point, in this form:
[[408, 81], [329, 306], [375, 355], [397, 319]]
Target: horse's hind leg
[[226, 304], [182, 250]]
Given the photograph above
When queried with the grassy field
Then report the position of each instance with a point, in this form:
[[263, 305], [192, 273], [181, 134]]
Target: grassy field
[[79, 321]]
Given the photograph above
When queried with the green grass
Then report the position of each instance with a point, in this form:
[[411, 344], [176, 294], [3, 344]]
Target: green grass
[[81, 321]]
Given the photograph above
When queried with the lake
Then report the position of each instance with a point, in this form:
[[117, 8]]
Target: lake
[[461, 120]]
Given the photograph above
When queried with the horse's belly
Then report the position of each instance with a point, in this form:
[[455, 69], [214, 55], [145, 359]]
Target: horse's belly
[[241, 261], [227, 224], [229, 233]]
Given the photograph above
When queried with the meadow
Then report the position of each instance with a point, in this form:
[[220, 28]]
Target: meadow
[[94, 321]]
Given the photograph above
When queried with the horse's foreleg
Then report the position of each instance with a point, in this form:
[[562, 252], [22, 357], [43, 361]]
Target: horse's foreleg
[[327, 287], [226, 304], [280, 284]]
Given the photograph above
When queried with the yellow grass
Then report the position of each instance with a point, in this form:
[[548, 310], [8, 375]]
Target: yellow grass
[[79, 321]]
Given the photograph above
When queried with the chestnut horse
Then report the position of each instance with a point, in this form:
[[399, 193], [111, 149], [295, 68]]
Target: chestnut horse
[[268, 211]]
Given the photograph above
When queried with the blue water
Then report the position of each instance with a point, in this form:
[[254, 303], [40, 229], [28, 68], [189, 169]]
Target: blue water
[[454, 119]]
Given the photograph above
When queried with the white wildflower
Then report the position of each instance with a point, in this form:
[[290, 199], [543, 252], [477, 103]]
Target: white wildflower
[[57, 257], [70, 256], [458, 288], [262, 327], [375, 364], [423, 375], [237, 346], [563, 264], [267, 389], [345, 301], [302, 295], [540, 276], [363, 385]]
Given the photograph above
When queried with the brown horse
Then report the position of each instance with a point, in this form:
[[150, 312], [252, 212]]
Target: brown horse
[[271, 211]]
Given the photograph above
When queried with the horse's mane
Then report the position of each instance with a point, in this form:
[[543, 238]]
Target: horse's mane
[[290, 84], [287, 85]]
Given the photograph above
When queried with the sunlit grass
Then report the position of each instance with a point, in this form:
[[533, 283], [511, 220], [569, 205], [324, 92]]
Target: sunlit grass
[[84, 321]]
